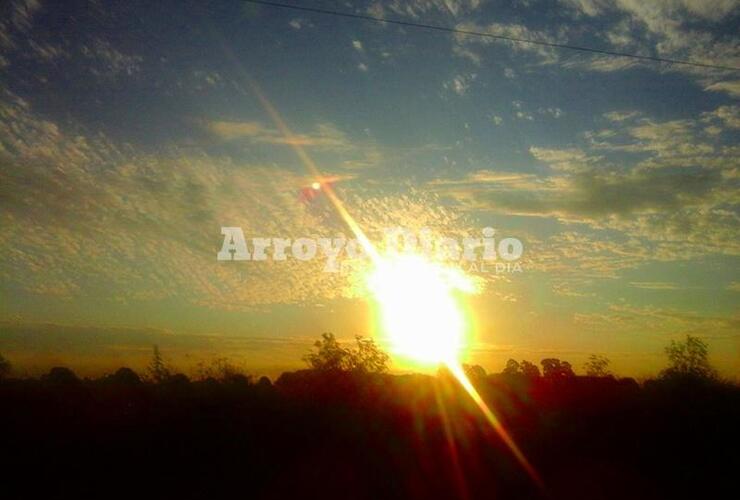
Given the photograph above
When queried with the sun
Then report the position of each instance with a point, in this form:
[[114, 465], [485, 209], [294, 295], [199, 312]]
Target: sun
[[419, 308]]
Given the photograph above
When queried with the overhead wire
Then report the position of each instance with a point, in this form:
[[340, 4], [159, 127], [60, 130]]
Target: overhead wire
[[459, 31]]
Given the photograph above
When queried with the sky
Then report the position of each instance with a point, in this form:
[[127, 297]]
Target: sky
[[131, 133]]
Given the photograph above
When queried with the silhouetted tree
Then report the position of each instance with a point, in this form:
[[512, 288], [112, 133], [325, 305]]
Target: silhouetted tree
[[367, 357], [157, 370], [264, 382], [512, 368], [178, 379], [329, 355], [525, 368], [5, 367], [529, 369], [124, 376], [688, 358], [60, 375], [597, 366], [223, 370], [474, 372], [553, 368]]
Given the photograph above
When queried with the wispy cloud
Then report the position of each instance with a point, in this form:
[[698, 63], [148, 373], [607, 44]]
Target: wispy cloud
[[655, 285], [325, 135]]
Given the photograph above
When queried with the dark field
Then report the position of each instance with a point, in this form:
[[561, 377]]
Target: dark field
[[339, 435]]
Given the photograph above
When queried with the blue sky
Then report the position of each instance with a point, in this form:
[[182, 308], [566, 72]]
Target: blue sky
[[130, 134]]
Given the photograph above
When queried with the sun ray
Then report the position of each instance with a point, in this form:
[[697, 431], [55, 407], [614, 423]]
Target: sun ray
[[457, 370], [440, 313]]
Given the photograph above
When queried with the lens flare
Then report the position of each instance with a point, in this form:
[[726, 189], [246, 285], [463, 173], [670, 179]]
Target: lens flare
[[415, 295], [424, 321]]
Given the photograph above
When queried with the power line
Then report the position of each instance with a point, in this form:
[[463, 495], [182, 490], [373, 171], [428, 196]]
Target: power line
[[447, 29]]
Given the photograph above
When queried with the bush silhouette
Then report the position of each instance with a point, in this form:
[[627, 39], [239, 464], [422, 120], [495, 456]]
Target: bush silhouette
[[5, 367], [223, 370]]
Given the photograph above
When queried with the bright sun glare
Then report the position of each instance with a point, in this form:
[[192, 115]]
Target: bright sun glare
[[420, 311]]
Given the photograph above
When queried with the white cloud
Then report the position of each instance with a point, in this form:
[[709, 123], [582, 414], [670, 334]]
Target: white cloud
[[726, 115], [467, 45], [325, 136], [460, 84], [83, 215], [566, 160], [417, 9], [672, 28], [108, 61], [676, 201], [620, 116], [655, 285], [300, 23], [731, 87], [555, 112]]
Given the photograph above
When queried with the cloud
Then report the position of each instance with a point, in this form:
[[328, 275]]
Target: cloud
[[300, 23], [661, 321], [82, 215], [16, 21], [669, 143], [554, 112], [566, 160], [673, 197], [590, 8], [325, 139], [107, 61], [678, 29], [620, 116], [655, 285], [417, 9], [727, 115], [86, 53], [460, 84], [466, 46], [325, 136], [592, 194], [731, 87]]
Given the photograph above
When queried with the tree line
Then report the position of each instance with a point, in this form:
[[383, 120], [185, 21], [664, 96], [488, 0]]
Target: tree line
[[686, 359]]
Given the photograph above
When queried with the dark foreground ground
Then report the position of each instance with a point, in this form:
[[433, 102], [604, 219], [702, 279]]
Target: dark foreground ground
[[315, 435]]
